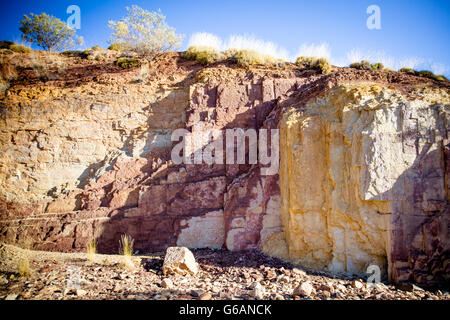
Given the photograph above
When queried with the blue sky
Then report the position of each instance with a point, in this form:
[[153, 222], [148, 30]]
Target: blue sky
[[410, 30]]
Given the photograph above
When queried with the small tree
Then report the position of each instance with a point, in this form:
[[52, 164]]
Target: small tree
[[48, 32], [145, 32]]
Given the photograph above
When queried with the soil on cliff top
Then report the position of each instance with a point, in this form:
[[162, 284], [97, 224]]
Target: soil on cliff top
[[54, 70]]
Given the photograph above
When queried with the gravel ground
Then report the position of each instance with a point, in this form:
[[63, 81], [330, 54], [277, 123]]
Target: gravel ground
[[222, 275]]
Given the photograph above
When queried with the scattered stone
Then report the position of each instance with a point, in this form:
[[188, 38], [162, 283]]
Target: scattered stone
[[357, 284], [80, 292], [49, 290], [258, 291], [328, 287], [377, 286], [166, 283], [304, 289], [408, 287], [47, 269], [299, 272], [278, 297], [11, 296], [215, 290], [179, 260], [205, 296], [341, 287], [271, 275], [197, 293]]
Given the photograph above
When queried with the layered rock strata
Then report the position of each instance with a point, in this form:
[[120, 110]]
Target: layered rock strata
[[363, 179]]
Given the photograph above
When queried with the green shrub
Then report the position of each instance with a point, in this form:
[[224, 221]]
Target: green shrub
[[73, 53], [117, 46], [377, 66], [430, 75], [321, 64], [126, 63], [99, 57], [203, 55], [147, 33], [366, 65], [86, 54], [96, 48], [407, 70], [48, 32], [19, 48], [424, 74], [355, 65], [441, 78]]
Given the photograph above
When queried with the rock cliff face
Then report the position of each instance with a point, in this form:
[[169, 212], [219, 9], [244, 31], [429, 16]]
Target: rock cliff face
[[363, 179]]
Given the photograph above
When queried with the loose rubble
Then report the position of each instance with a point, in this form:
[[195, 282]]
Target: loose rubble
[[244, 275]]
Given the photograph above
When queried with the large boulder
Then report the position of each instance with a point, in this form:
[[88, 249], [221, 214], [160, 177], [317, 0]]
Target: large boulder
[[179, 260]]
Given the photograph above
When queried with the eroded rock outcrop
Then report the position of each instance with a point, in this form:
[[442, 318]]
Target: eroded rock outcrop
[[363, 179]]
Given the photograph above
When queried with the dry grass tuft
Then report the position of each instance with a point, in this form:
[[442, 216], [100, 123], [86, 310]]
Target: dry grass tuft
[[91, 250], [126, 245], [321, 64], [126, 249], [246, 58], [203, 55], [125, 62], [19, 48], [23, 266], [47, 66], [117, 46]]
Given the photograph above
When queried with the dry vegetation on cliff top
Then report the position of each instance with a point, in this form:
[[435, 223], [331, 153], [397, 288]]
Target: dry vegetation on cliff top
[[37, 73]]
